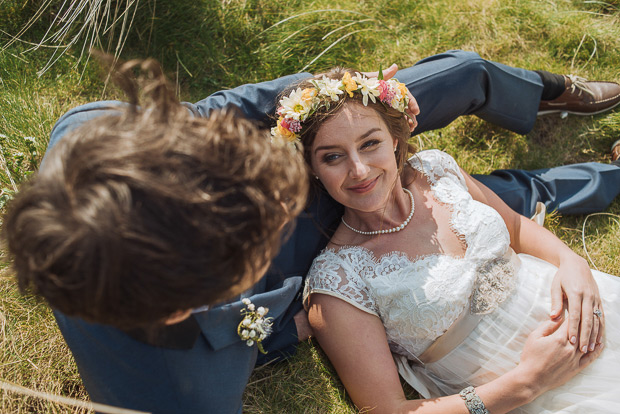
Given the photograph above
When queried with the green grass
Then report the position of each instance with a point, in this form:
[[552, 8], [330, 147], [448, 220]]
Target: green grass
[[208, 45]]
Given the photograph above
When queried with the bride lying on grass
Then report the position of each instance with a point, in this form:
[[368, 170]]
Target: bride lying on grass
[[432, 276]]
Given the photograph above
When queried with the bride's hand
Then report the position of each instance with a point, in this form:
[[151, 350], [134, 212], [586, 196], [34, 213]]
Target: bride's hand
[[574, 283], [412, 109], [549, 360]]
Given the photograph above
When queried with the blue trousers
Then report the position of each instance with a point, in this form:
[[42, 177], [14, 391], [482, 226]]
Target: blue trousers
[[210, 374]]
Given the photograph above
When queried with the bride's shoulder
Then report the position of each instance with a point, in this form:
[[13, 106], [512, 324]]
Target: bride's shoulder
[[435, 164], [431, 157], [342, 258]]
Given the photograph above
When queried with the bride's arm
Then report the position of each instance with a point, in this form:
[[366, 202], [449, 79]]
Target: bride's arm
[[356, 344], [573, 279]]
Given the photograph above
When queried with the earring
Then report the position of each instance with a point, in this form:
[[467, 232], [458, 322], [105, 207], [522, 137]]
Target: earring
[[395, 148], [316, 176]]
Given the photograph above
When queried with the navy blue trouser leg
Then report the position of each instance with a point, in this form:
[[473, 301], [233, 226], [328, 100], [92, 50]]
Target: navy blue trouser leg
[[570, 189], [457, 83]]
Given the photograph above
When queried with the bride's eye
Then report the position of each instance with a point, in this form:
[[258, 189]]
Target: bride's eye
[[371, 143], [330, 157]]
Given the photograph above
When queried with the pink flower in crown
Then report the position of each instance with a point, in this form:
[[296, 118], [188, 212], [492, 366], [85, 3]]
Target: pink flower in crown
[[282, 130], [386, 92], [291, 124]]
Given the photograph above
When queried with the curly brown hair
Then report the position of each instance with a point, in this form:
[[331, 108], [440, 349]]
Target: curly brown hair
[[148, 211]]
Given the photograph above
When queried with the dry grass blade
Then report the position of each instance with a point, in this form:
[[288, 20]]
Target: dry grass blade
[[102, 408], [602, 3], [332, 45], [5, 167], [100, 18], [29, 23], [314, 12], [583, 38], [347, 25], [583, 233], [303, 29]]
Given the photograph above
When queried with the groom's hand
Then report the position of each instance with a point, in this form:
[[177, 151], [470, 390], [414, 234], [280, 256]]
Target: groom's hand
[[412, 109], [304, 330]]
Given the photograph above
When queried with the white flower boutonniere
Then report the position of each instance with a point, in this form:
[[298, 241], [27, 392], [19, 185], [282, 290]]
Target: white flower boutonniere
[[254, 327]]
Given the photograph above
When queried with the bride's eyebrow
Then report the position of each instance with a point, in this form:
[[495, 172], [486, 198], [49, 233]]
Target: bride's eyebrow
[[361, 137]]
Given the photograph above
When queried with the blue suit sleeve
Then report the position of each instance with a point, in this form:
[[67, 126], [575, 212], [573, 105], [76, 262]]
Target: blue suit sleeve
[[77, 116], [283, 342], [257, 101]]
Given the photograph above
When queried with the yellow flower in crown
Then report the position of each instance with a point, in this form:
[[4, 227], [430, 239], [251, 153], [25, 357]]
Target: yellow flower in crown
[[403, 99], [283, 129], [308, 94], [349, 84], [403, 89]]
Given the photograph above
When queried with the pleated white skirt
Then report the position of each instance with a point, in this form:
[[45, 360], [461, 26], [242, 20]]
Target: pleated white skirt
[[495, 345]]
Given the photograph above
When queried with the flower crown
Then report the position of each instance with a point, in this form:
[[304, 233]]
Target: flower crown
[[301, 104]]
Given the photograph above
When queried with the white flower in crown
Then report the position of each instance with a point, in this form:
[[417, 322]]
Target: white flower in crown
[[254, 327], [369, 87], [298, 104], [330, 87]]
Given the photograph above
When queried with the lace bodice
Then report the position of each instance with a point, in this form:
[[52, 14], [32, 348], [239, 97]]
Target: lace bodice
[[418, 299]]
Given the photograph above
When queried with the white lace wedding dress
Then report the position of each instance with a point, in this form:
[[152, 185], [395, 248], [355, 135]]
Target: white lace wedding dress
[[418, 300]]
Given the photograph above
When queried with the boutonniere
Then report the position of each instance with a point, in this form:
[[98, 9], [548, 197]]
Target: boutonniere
[[254, 327]]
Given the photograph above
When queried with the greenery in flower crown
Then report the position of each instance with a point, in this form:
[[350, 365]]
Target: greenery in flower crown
[[301, 104]]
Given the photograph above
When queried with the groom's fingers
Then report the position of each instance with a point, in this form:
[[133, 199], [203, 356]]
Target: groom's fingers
[[390, 72], [387, 73], [412, 108]]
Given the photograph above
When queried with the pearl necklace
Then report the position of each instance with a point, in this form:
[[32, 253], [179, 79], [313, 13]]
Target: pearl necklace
[[393, 229]]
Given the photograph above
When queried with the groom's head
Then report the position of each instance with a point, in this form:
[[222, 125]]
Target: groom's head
[[148, 211]]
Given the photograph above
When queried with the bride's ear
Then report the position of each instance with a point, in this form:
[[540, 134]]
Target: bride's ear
[[312, 173]]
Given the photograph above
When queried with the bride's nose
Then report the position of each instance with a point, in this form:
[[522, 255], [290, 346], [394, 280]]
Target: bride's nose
[[358, 168]]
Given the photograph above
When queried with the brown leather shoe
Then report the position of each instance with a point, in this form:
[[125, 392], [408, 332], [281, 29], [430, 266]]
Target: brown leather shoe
[[583, 97], [615, 151]]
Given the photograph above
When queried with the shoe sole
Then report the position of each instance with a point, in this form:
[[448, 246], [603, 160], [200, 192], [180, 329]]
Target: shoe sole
[[560, 111]]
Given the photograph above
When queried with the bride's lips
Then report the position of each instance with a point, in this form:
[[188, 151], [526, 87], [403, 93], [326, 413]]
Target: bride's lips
[[364, 186]]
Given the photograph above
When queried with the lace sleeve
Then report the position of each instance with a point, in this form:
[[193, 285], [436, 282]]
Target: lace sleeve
[[333, 275], [437, 164]]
